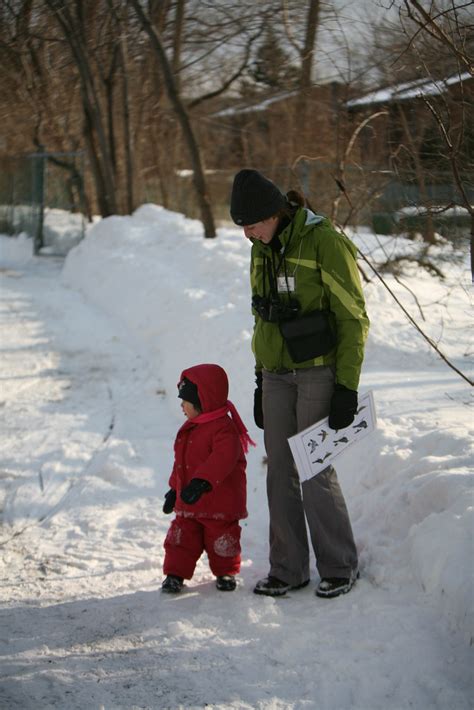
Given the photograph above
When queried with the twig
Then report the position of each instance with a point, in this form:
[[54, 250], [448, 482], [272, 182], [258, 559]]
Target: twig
[[428, 24], [415, 324], [402, 307], [399, 281]]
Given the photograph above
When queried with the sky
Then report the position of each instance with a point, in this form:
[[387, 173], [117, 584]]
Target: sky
[[92, 348], [349, 25]]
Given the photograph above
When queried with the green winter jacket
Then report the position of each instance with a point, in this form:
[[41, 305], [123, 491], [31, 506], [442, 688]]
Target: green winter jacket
[[323, 264]]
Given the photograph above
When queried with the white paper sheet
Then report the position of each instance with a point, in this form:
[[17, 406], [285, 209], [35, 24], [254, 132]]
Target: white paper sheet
[[317, 446]]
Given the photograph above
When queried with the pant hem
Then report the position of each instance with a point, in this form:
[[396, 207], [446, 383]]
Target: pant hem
[[338, 572], [291, 579]]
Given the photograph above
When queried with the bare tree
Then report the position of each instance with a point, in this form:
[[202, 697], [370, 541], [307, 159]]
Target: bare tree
[[35, 107], [449, 28], [72, 21], [183, 118], [120, 57], [453, 36]]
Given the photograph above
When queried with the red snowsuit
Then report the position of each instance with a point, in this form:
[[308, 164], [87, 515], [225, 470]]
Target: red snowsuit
[[212, 451]]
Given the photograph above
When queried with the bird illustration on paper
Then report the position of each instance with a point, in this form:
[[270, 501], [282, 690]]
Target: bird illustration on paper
[[323, 459]]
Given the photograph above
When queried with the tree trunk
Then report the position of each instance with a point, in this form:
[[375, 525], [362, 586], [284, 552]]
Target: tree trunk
[[127, 137], [177, 41], [109, 82], [75, 37], [428, 232], [183, 118], [310, 40], [307, 55], [101, 192], [472, 247], [120, 60]]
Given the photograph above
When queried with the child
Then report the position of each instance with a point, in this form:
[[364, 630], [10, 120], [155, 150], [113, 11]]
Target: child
[[208, 482]]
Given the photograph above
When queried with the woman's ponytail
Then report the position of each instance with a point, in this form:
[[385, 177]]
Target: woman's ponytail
[[295, 197]]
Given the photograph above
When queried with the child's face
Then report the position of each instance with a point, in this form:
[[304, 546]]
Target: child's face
[[189, 409]]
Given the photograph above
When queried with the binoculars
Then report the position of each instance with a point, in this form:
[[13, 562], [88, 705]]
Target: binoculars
[[272, 310]]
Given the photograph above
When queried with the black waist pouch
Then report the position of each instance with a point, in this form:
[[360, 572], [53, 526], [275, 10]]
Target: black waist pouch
[[309, 336]]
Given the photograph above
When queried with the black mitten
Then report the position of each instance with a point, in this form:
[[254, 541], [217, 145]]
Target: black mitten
[[170, 500], [343, 407], [194, 490], [257, 401]]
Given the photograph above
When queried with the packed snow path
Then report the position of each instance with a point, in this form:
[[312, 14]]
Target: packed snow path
[[87, 439]]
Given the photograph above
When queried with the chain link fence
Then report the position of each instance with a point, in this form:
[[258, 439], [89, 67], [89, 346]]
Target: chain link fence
[[42, 195]]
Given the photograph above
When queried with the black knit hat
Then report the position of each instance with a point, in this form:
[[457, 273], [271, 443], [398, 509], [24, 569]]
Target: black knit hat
[[254, 198], [188, 391]]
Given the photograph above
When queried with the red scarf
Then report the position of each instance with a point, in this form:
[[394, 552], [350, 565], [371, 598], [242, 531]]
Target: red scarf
[[245, 439]]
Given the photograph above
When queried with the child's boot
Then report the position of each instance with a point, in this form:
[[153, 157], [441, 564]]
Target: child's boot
[[226, 583], [172, 584]]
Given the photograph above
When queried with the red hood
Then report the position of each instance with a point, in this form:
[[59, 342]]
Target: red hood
[[212, 384]]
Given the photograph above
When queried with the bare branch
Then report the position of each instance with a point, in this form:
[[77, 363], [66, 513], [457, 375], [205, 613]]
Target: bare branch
[[429, 24], [430, 342], [183, 118], [238, 73]]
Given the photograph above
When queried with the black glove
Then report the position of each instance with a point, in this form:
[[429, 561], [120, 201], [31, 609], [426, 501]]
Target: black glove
[[343, 407], [257, 401], [194, 490], [170, 500]]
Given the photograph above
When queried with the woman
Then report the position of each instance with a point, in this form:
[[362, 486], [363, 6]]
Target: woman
[[308, 342]]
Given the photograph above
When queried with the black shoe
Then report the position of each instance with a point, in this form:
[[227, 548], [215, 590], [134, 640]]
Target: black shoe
[[226, 583], [330, 587], [273, 587], [172, 584]]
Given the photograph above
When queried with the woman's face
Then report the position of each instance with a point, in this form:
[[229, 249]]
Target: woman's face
[[263, 231]]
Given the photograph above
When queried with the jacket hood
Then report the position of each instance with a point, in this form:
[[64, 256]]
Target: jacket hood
[[303, 220], [212, 384]]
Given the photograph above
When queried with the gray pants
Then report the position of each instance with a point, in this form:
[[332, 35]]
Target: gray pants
[[292, 402]]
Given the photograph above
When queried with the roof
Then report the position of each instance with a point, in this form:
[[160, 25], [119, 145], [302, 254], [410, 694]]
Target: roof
[[261, 106], [409, 90]]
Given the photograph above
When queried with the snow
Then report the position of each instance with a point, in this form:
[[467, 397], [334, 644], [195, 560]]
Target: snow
[[92, 348], [409, 90], [260, 106], [61, 231], [421, 210]]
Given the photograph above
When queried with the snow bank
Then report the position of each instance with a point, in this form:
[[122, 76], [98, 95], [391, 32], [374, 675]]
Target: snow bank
[[185, 299]]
